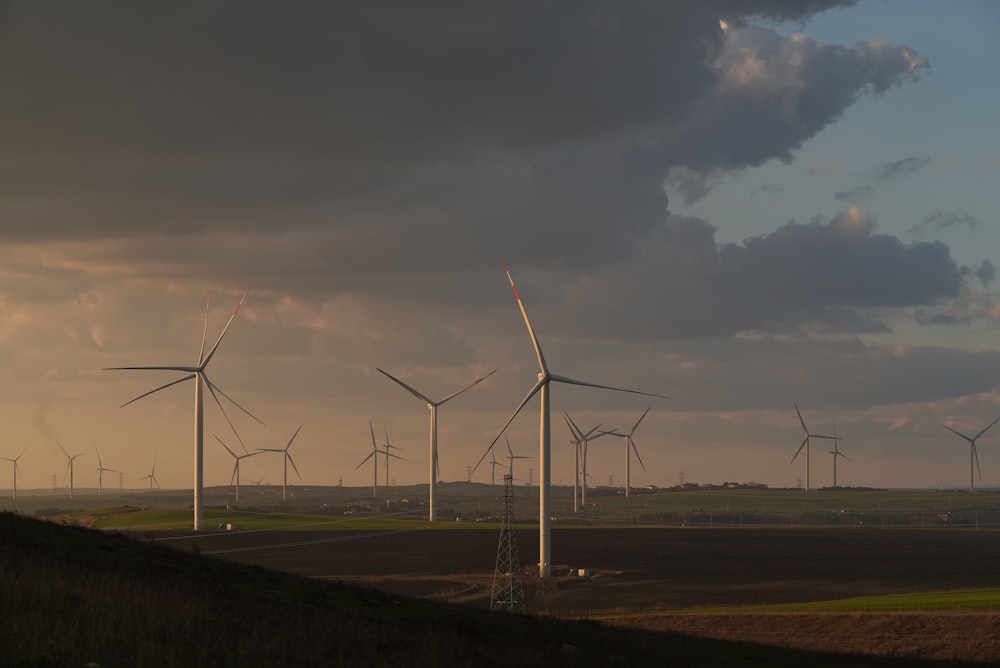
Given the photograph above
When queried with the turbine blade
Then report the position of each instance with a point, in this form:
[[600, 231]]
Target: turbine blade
[[292, 462], [534, 389], [806, 440], [161, 387], [956, 432], [801, 421], [467, 387], [374, 447], [204, 333], [363, 461], [638, 421], [985, 430], [229, 398], [211, 353], [636, 451], [590, 433], [406, 387], [227, 448], [531, 331], [573, 381], [236, 467], [211, 391], [975, 454], [293, 438], [573, 429], [61, 447]]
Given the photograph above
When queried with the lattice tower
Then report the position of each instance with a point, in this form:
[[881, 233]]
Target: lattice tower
[[508, 593]]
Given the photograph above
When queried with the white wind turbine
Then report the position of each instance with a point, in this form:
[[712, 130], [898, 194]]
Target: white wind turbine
[[836, 453], [236, 467], [629, 449], [16, 467], [100, 473], [387, 446], [152, 475], [69, 466], [805, 443], [373, 455], [287, 459], [432, 406], [200, 376], [511, 457], [541, 387], [582, 441], [973, 453], [493, 467]]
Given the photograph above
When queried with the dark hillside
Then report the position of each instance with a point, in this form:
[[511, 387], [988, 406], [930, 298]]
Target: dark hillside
[[76, 597]]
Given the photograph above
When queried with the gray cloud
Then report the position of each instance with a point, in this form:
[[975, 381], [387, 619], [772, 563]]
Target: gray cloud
[[899, 169], [937, 221], [837, 274], [854, 195]]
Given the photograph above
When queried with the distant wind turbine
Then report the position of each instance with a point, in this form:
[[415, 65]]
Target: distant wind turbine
[[805, 443], [387, 445], [836, 453], [69, 466], [973, 453], [373, 455], [432, 406], [100, 473], [493, 468], [287, 459], [16, 467], [200, 376], [236, 467], [582, 442], [630, 447], [511, 457], [541, 387], [152, 475]]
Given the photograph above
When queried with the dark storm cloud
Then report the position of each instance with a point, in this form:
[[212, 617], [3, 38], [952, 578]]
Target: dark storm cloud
[[899, 168], [467, 129], [836, 274]]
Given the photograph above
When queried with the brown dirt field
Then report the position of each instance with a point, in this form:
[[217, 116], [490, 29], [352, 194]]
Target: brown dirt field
[[636, 569], [938, 636]]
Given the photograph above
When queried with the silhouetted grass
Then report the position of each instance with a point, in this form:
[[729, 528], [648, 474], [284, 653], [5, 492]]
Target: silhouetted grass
[[73, 597]]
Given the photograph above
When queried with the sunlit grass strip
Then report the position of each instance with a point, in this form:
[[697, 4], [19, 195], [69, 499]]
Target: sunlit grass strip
[[959, 600]]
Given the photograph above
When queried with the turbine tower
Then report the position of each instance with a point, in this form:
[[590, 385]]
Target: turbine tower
[[69, 466], [152, 475], [16, 467], [100, 473], [582, 441], [432, 406], [236, 467], [287, 459], [629, 449], [541, 387], [836, 453], [201, 380], [373, 455], [805, 443], [973, 453]]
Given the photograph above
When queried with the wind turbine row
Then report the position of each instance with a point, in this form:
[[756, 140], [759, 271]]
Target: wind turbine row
[[541, 387], [373, 455]]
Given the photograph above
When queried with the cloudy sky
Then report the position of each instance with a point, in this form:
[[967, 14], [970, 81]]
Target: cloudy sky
[[741, 205]]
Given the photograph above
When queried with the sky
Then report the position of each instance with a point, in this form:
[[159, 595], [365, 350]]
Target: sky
[[741, 205]]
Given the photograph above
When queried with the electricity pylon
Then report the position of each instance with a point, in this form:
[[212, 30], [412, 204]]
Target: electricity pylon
[[508, 593]]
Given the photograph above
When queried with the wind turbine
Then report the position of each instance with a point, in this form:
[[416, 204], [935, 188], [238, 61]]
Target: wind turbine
[[100, 473], [432, 406], [236, 467], [541, 387], [388, 445], [200, 376], [493, 467], [69, 466], [152, 475], [287, 459], [973, 453], [629, 449], [805, 443], [836, 453], [582, 441], [373, 455], [14, 462], [511, 457]]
